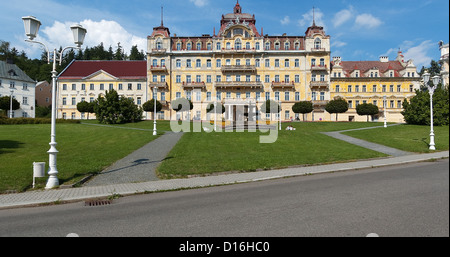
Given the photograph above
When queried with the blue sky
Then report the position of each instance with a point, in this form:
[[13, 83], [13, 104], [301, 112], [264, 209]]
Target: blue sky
[[359, 30]]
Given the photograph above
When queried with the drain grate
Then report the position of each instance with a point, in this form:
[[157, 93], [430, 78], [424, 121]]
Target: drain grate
[[97, 202]]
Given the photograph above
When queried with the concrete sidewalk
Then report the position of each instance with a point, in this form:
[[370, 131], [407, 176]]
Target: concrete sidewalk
[[89, 192]]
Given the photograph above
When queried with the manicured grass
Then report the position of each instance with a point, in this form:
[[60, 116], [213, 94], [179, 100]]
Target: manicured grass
[[205, 153], [83, 149], [411, 138]]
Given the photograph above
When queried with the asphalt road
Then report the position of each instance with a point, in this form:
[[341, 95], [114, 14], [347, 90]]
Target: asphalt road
[[407, 200]]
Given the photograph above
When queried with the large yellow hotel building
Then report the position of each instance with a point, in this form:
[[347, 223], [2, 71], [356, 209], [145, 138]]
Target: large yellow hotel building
[[239, 65]]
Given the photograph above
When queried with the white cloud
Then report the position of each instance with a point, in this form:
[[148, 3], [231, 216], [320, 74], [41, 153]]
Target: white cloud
[[286, 20], [307, 19], [419, 53], [199, 3], [343, 16], [337, 43], [367, 21], [107, 32]]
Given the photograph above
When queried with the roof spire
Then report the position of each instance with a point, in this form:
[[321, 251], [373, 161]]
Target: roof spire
[[314, 18], [237, 8], [162, 16]]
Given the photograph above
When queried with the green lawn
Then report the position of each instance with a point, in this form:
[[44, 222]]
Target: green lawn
[[83, 149], [411, 138], [203, 153]]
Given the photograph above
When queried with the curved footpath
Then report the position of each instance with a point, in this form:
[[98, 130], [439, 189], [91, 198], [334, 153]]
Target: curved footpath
[[140, 167]]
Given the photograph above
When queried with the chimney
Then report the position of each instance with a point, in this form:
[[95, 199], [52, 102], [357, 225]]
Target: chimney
[[384, 59], [337, 60]]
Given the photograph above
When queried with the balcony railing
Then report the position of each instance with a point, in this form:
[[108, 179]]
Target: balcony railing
[[319, 103], [238, 68], [233, 84], [193, 84], [283, 84], [158, 51], [158, 68], [241, 50], [158, 85], [318, 85], [319, 67], [318, 49]]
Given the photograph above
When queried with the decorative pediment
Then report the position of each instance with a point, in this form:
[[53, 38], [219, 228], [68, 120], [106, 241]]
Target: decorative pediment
[[100, 75]]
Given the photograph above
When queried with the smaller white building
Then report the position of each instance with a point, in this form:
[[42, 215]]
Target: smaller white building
[[16, 82]]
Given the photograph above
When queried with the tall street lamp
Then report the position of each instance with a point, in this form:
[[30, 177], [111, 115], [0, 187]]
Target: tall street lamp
[[10, 104], [32, 25], [384, 110], [154, 111], [435, 79]]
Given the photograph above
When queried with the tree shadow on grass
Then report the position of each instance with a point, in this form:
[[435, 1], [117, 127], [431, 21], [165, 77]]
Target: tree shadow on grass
[[6, 145]]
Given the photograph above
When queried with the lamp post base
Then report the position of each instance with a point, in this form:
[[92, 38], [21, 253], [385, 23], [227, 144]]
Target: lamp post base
[[432, 145], [52, 182]]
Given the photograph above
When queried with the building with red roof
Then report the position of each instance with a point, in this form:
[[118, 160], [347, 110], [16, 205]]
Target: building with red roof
[[361, 82], [87, 80]]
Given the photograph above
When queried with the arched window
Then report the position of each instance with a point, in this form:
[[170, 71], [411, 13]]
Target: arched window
[[199, 46], [159, 44], [277, 46], [228, 45], [238, 44], [247, 45], [317, 43], [287, 45]]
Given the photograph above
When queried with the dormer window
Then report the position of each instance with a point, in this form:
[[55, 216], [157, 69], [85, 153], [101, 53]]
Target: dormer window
[[158, 44], [356, 74], [12, 73], [277, 46], [317, 43]]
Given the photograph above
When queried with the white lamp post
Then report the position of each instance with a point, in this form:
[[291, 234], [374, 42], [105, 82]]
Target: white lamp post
[[31, 30], [154, 111], [10, 104], [384, 109], [435, 79], [279, 117]]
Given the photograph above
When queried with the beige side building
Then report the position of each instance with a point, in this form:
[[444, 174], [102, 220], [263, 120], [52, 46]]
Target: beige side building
[[385, 83]]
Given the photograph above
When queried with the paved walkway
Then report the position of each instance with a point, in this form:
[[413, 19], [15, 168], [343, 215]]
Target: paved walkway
[[140, 166], [372, 146]]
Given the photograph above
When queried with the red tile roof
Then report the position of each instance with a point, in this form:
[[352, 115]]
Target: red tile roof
[[119, 69], [364, 66]]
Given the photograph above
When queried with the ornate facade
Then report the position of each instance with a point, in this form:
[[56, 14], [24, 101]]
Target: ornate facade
[[239, 65]]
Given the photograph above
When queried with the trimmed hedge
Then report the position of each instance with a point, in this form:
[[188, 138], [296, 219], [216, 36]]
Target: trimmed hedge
[[22, 121]]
